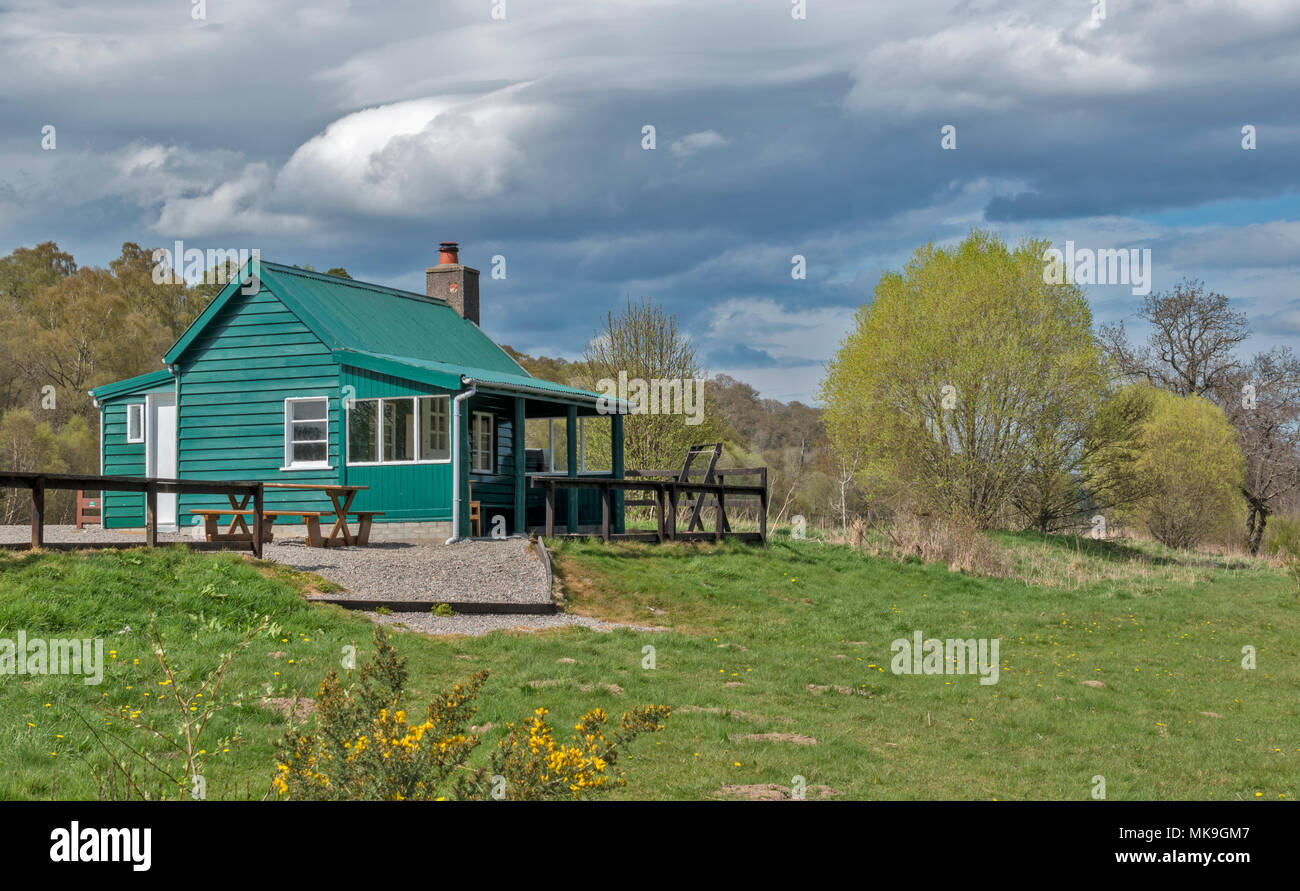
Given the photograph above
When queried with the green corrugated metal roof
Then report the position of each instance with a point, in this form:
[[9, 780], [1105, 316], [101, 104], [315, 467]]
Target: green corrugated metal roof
[[352, 315], [390, 331], [386, 321], [131, 385], [449, 375]]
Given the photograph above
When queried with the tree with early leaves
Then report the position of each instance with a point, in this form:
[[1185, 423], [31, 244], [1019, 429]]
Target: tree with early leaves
[[1189, 459], [645, 343], [965, 374]]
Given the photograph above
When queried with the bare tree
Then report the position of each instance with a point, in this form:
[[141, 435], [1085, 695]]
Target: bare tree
[[1190, 350], [847, 463], [1262, 400]]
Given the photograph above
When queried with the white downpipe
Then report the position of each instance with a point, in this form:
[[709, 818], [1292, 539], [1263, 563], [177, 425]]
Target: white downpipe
[[455, 461]]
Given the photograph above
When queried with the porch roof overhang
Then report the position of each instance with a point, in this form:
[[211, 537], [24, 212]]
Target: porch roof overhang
[[137, 384], [455, 377]]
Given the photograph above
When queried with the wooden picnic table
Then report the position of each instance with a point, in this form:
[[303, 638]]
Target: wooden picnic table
[[340, 496]]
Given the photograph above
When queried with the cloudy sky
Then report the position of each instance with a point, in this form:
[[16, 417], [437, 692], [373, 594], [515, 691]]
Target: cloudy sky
[[360, 134]]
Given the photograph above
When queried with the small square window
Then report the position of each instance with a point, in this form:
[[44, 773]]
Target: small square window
[[135, 423], [306, 432]]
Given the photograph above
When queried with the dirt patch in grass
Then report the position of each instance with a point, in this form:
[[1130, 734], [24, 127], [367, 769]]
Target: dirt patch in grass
[[610, 688], [796, 738], [302, 708], [735, 713], [773, 792], [819, 689]]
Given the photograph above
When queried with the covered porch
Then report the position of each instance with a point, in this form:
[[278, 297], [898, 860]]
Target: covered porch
[[542, 435]]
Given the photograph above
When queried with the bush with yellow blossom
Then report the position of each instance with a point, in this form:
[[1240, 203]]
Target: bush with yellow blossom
[[363, 746]]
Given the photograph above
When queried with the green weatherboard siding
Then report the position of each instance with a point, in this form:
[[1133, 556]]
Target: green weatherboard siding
[[122, 458], [235, 378]]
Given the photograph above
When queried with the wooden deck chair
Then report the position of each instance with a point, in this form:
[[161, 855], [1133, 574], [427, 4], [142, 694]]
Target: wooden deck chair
[[475, 513], [89, 509], [714, 451]]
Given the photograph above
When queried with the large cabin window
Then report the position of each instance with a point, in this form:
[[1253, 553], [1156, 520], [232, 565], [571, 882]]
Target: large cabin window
[[306, 433], [405, 430], [399, 430], [363, 431]]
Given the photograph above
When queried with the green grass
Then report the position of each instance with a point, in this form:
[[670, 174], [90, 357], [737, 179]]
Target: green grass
[[1162, 630]]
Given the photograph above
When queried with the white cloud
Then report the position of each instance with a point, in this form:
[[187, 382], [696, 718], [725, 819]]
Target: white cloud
[[799, 334], [695, 142]]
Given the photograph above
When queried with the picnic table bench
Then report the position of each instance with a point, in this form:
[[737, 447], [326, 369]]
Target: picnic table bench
[[339, 534]]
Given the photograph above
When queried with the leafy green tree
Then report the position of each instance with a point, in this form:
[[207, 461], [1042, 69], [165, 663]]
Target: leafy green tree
[[1193, 469], [969, 383]]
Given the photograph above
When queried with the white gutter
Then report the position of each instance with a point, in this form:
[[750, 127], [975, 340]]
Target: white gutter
[[455, 460]]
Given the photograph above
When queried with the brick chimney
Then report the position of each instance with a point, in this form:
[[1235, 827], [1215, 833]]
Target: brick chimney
[[456, 284]]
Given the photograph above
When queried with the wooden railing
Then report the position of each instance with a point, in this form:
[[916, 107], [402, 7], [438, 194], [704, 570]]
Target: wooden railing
[[39, 483], [666, 495]]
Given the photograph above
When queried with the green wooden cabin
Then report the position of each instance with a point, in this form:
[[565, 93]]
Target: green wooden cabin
[[302, 377]]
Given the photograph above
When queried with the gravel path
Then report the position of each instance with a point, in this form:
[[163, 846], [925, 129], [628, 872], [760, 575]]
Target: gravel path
[[91, 534], [506, 571], [479, 625]]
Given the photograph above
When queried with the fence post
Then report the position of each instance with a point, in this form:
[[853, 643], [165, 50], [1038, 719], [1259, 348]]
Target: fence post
[[762, 509], [151, 515], [258, 520], [38, 512]]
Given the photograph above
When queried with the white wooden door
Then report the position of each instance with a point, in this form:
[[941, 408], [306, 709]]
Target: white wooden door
[[162, 451]]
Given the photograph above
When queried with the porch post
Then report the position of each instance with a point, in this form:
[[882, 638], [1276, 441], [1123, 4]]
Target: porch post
[[463, 433], [571, 450], [521, 515], [616, 455]]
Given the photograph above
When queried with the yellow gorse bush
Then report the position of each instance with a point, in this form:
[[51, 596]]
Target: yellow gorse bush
[[363, 746]]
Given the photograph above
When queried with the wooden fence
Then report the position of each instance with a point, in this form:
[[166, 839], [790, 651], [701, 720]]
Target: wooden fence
[[40, 483], [666, 495]]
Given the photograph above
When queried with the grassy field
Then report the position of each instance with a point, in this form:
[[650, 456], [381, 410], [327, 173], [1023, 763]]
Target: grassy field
[[793, 640]]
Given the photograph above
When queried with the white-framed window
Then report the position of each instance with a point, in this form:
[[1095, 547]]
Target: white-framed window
[[404, 430], [481, 443], [135, 422], [306, 433], [434, 424]]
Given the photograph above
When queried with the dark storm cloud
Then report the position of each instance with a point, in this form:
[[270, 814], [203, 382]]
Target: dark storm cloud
[[361, 134]]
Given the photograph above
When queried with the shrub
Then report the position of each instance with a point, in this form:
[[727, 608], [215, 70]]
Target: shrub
[[961, 546], [362, 745], [1193, 467], [1284, 543]]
